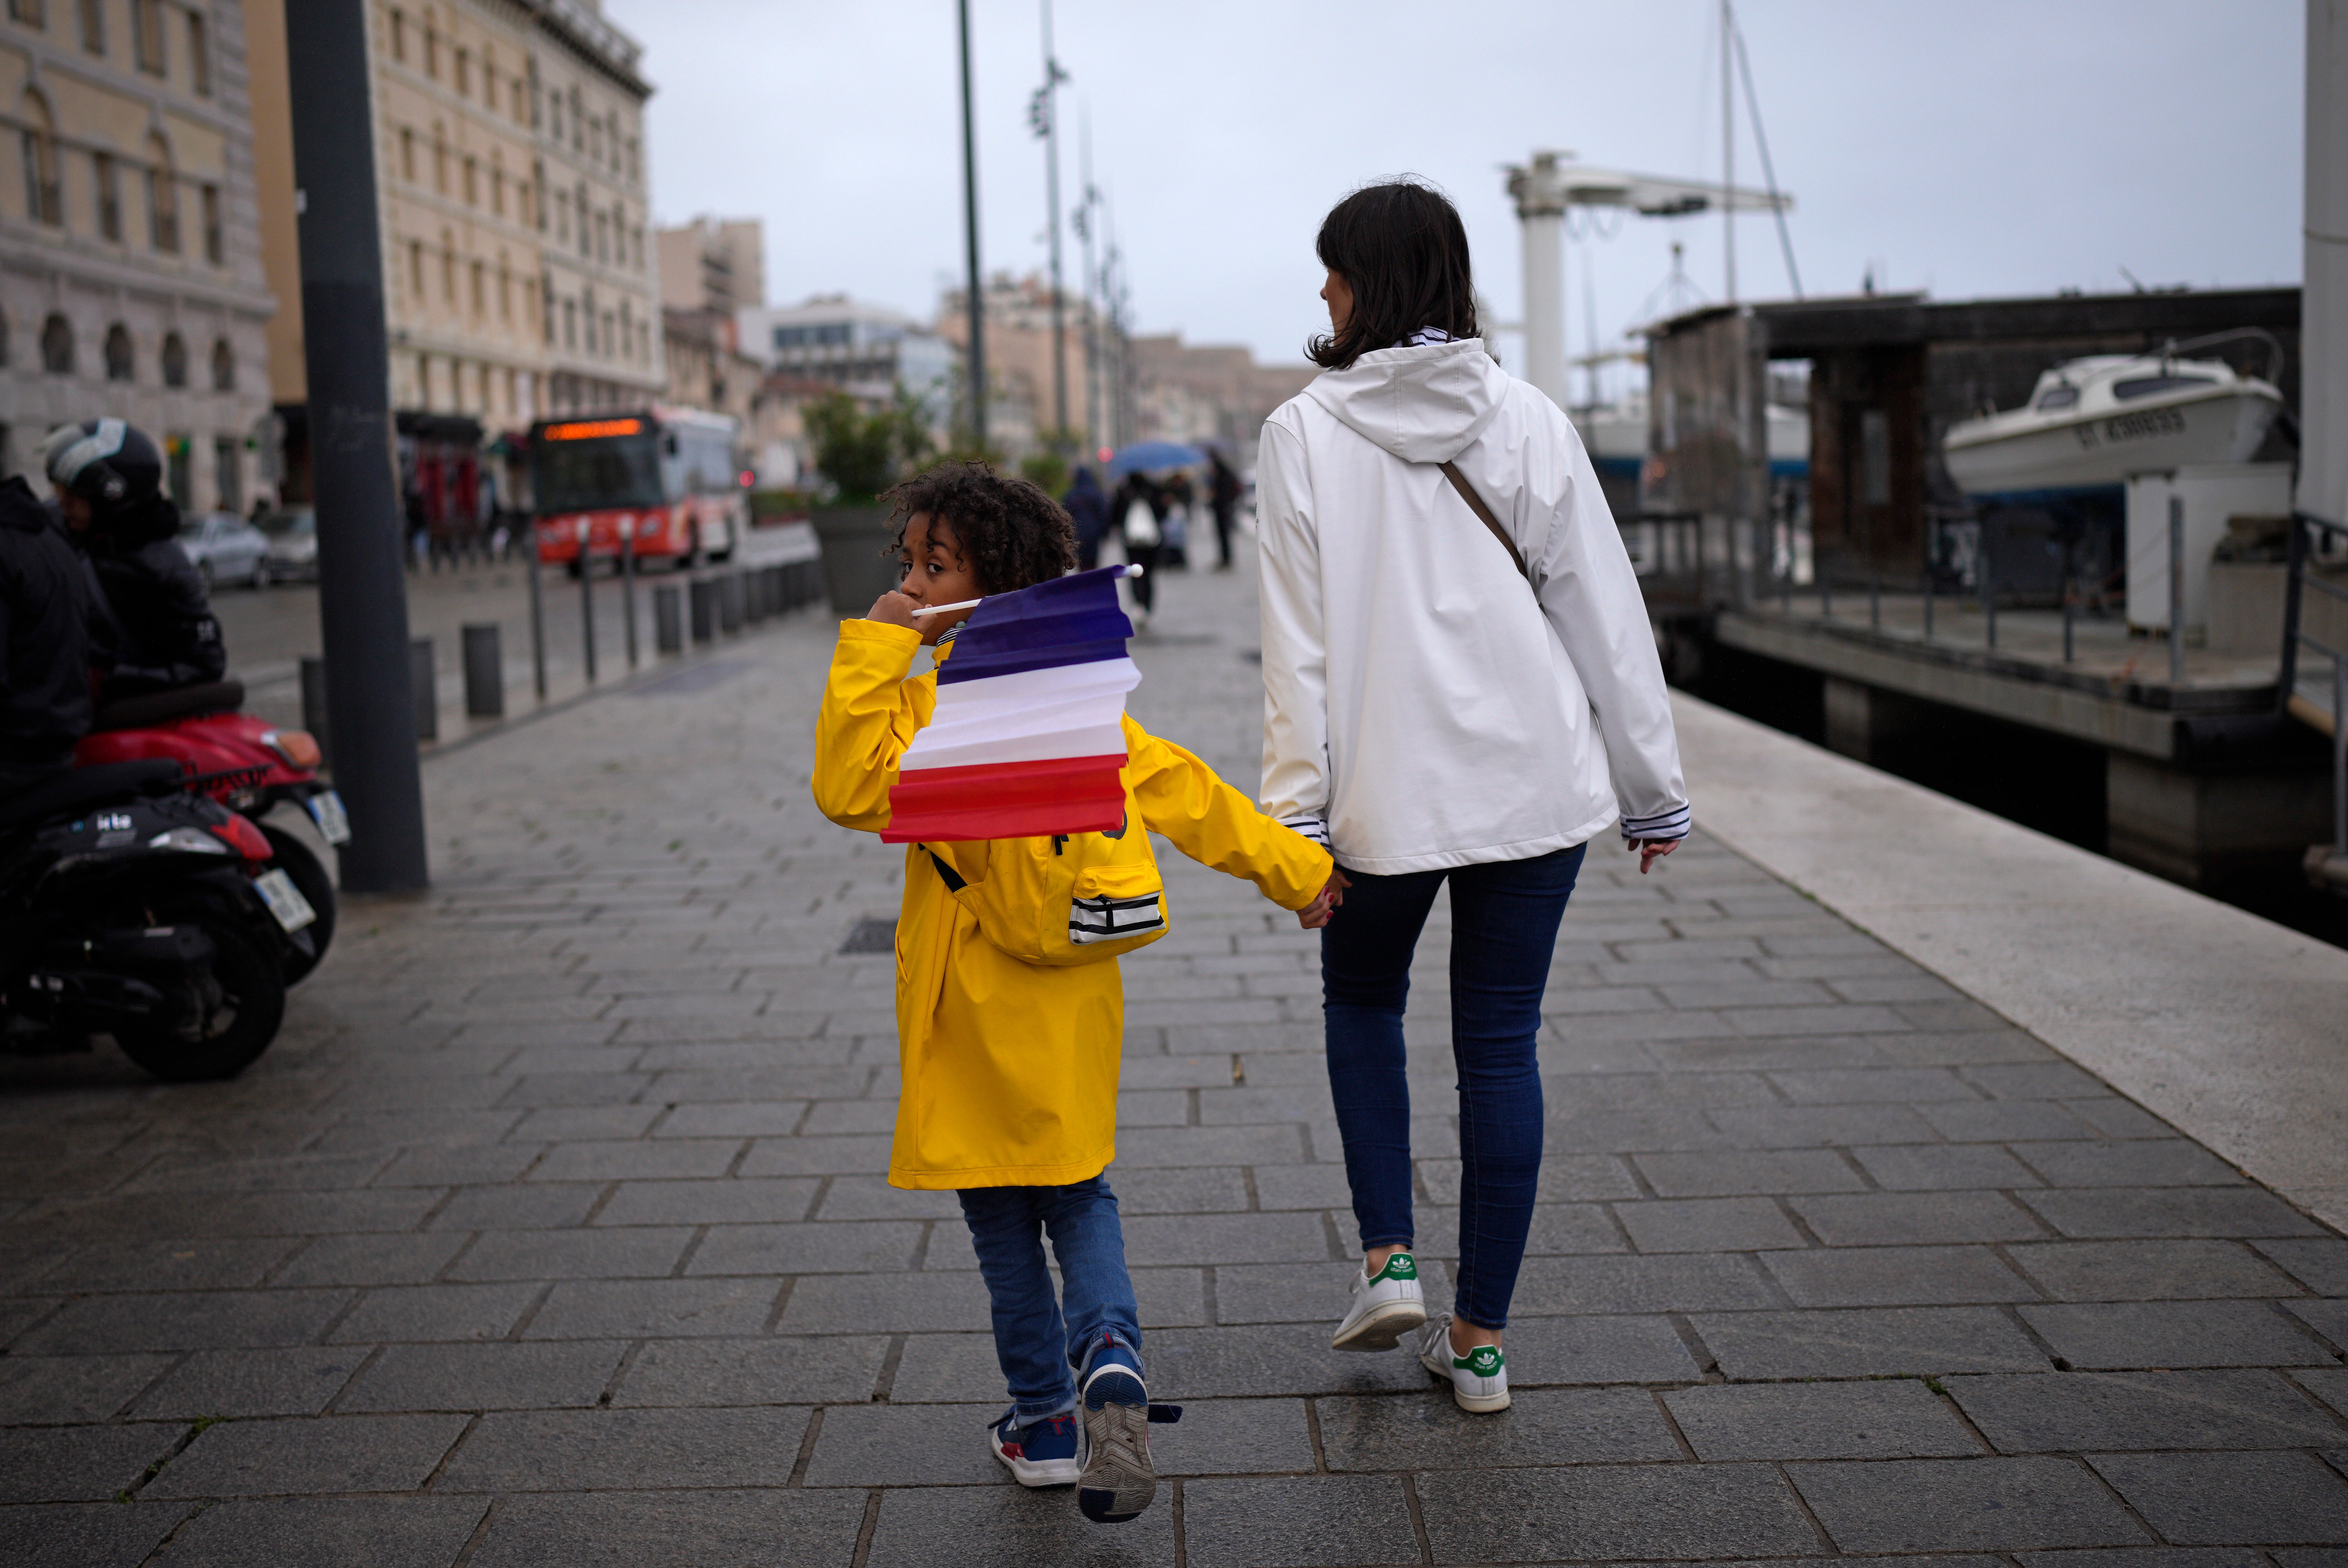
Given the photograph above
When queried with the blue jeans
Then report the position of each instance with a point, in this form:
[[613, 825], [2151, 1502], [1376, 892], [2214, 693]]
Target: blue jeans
[[1504, 920], [1036, 1348]]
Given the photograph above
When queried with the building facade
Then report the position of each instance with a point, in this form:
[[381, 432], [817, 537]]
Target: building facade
[[866, 351], [712, 264], [132, 284]]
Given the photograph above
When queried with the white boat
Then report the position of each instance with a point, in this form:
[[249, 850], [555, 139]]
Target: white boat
[[2093, 422]]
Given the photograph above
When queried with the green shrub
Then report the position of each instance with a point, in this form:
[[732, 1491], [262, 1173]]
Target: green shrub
[[863, 453]]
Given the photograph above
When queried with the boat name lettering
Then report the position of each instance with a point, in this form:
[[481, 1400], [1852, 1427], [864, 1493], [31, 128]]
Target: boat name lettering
[[2143, 426]]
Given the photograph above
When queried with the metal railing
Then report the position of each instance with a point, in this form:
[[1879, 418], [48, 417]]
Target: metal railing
[[2328, 539]]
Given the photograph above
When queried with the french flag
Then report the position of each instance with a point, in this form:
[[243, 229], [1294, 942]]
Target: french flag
[[1028, 738]]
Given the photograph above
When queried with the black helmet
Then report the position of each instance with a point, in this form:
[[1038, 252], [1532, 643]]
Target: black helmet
[[113, 466]]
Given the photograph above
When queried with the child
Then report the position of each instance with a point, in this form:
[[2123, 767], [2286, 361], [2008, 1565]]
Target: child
[[1010, 1067]]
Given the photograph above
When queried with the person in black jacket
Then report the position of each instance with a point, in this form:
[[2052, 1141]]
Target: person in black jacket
[[155, 625], [1223, 495], [44, 704], [1088, 509]]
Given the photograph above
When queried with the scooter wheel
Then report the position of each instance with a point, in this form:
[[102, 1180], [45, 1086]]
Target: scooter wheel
[[294, 857], [241, 1008]]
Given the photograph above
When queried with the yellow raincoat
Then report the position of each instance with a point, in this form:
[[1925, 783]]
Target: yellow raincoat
[[1011, 1068]]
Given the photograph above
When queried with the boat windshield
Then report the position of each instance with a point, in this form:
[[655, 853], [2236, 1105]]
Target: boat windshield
[[2065, 396], [2148, 385]]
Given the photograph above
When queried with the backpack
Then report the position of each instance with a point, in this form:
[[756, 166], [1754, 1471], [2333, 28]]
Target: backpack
[[1073, 898]]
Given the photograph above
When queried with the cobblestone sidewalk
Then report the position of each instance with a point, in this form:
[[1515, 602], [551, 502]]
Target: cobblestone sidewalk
[[553, 1231]]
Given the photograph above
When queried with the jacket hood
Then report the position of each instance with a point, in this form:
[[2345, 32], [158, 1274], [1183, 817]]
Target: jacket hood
[[20, 510], [1423, 404]]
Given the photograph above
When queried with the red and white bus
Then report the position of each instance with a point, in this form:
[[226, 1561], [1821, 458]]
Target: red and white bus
[[665, 477]]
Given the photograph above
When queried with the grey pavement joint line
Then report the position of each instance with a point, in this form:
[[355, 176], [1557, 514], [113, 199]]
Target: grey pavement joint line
[[1417, 1518]]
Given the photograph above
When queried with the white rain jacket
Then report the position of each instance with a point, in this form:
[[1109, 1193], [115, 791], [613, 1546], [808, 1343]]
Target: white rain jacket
[[1421, 709]]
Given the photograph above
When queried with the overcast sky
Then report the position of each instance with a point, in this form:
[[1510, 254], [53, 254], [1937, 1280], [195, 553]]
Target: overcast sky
[[1999, 147]]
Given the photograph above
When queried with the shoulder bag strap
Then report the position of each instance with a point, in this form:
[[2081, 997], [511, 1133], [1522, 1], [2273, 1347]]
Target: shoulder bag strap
[[1484, 515]]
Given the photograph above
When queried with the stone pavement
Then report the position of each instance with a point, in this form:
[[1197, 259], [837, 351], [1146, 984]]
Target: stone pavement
[[554, 1230]]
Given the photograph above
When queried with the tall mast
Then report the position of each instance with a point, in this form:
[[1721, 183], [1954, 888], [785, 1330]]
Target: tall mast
[[1084, 221], [1728, 152], [977, 352]]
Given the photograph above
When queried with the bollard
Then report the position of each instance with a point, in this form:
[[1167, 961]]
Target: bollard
[[704, 595], [754, 597], [730, 603], [485, 673], [424, 687], [628, 586], [2175, 591], [668, 618], [537, 619], [314, 701], [587, 604]]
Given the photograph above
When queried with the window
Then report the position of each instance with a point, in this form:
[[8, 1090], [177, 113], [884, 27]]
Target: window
[[93, 25], [431, 51], [44, 197], [226, 463], [636, 168], [2057, 397], [596, 140], [175, 360], [505, 291], [109, 197], [223, 366], [472, 182], [489, 80], [497, 190], [200, 54], [119, 358], [578, 129], [440, 159], [400, 36], [408, 153], [2142, 386], [533, 66], [480, 289], [586, 239], [569, 325], [175, 466], [464, 72], [215, 248], [562, 216], [448, 268], [32, 13], [57, 346], [147, 36], [163, 199], [554, 114], [415, 268], [603, 237]]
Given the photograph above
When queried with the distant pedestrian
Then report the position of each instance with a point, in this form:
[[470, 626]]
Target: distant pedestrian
[[1174, 526], [1089, 511], [1459, 685], [1139, 509], [1223, 495], [1010, 1065]]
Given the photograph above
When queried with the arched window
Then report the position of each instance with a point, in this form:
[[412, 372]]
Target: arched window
[[44, 200], [119, 363], [57, 346], [175, 360], [162, 198], [223, 367]]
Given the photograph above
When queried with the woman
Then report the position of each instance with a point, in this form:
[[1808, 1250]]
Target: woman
[[1446, 699], [1139, 509]]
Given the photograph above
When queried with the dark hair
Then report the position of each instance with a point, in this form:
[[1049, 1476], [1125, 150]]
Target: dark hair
[[1401, 248], [1013, 535]]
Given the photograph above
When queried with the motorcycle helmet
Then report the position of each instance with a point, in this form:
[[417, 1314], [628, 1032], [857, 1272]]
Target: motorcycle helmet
[[113, 466]]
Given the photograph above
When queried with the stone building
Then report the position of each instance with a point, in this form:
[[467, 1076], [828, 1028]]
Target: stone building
[[712, 264], [130, 280]]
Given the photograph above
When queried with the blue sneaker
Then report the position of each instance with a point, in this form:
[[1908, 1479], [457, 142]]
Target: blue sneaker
[[1117, 1481], [1041, 1453]]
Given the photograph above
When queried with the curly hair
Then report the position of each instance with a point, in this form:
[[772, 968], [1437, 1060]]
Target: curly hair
[[1013, 534]]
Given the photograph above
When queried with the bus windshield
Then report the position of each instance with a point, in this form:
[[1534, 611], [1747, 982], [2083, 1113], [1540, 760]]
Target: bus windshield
[[582, 475]]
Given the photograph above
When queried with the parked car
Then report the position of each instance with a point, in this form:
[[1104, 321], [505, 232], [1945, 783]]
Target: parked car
[[226, 548], [292, 543]]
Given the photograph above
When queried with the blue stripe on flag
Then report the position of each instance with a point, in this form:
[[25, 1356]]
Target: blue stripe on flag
[[1073, 619]]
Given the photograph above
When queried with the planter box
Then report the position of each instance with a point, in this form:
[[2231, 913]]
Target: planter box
[[855, 571]]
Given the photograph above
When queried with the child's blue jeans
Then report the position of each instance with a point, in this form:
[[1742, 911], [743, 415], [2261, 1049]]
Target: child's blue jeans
[[1041, 1353]]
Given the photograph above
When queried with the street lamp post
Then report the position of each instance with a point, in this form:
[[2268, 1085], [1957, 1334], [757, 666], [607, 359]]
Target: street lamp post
[[362, 585], [977, 352], [1043, 114]]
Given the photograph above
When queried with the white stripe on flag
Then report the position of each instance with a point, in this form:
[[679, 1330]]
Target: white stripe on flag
[[1034, 715]]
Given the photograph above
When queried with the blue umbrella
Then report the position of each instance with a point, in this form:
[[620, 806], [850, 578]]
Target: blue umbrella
[[1149, 456]]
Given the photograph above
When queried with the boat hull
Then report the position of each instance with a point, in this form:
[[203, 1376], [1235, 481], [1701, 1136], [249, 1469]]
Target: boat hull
[[2103, 450]]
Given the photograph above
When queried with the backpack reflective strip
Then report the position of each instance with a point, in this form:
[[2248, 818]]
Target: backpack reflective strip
[[1110, 919]]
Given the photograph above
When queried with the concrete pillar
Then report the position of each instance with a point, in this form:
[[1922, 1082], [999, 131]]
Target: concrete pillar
[[1868, 724], [1540, 211], [2323, 318], [2204, 829]]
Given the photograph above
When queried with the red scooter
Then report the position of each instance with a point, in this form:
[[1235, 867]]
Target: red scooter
[[247, 765]]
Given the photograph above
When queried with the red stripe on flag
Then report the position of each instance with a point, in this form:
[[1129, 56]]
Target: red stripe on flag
[[1007, 800]]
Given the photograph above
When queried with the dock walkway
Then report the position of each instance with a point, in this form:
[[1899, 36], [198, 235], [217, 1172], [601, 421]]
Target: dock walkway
[[555, 1229]]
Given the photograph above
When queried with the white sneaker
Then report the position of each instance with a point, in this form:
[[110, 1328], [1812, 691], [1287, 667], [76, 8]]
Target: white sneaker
[[1479, 1379], [1387, 1307]]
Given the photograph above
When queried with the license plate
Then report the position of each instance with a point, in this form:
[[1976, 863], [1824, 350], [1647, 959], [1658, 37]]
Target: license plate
[[334, 822], [284, 900]]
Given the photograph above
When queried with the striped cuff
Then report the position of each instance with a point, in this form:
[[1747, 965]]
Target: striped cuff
[[1313, 828], [1664, 825]]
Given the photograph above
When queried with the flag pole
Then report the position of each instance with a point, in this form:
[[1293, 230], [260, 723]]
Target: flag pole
[[1128, 569]]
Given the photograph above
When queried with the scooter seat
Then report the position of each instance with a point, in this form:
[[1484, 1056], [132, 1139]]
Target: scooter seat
[[160, 707], [79, 789]]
